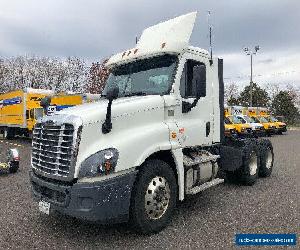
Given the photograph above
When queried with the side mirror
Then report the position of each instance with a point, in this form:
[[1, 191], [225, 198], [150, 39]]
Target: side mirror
[[112, 92], [199, 76], [45, 103]]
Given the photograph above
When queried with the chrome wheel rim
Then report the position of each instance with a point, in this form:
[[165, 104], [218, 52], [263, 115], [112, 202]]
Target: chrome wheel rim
[[5, 133], [269, 159], [157, 197], [253, 164]]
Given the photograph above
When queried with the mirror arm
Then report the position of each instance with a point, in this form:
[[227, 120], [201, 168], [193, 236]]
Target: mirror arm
[[187, 107], [107, 125]]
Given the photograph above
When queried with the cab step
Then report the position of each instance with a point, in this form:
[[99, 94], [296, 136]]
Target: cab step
[[204, 186]]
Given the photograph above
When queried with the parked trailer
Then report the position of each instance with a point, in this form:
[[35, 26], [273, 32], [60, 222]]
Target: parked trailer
[[155, 138], [19, 111]]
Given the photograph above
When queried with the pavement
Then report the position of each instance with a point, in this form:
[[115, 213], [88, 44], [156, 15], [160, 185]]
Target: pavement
[[207, 220]]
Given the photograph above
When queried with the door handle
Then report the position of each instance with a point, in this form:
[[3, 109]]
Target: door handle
[[207, 129]]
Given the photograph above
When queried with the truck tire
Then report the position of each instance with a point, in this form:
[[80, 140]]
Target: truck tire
[[247, 174], [8, 133], [13, 167], [266, 157], [153, 197]]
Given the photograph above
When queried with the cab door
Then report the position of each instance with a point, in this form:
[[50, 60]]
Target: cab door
[[194, 117]]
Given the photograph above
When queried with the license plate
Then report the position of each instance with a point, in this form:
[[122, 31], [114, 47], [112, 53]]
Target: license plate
[[44, 207]]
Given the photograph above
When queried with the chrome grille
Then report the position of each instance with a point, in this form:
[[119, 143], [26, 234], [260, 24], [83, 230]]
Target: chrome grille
[[52, 148]]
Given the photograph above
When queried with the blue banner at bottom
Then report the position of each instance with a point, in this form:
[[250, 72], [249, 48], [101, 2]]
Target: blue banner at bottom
[[265, 239]]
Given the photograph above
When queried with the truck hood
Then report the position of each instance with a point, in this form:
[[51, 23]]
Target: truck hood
[[125, 106]]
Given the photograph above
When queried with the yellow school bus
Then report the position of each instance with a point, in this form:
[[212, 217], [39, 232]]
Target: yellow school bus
[[19, 111]]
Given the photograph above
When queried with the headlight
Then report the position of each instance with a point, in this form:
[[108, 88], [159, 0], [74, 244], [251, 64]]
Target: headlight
[[100, 163]]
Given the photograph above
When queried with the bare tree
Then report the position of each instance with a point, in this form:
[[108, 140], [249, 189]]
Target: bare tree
[[98, 75], [231, 92]]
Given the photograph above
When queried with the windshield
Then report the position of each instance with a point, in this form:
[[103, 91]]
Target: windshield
[[273, 119], [262, 119], [242, 119], [247, 119], [153, 76], [227, 121], [254, 120], [234, 119]]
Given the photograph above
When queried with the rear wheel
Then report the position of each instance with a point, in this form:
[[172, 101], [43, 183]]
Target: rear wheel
[[248, 172], [154, 197], [266, 158]]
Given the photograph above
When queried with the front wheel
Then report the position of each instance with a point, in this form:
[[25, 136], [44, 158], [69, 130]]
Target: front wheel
[[154, 197], [13, 167]]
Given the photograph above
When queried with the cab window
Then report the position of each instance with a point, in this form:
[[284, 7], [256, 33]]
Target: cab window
[[189, 78]]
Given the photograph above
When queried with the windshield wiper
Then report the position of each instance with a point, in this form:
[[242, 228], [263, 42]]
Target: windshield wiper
[[140, 93]]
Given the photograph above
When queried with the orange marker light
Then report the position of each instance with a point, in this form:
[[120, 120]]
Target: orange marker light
[[107, 165], [173, 135]]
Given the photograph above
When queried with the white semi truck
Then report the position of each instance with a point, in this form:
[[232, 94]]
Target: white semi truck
[[155, 137]]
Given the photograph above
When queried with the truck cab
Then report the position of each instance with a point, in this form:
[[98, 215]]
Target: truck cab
[[155, 137]]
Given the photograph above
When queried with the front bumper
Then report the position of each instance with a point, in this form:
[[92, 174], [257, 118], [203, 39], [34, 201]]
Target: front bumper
[[259, 132], [247, 133], [271, 131], [282, 129], [105, 201]]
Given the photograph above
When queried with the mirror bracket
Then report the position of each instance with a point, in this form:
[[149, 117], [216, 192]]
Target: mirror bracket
[[111, 95]]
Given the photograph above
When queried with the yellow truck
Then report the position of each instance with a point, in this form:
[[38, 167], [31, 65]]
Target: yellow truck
[[230, 130], [280, 126], [242, 129], [256, 113], [19, 111], [65, 100]]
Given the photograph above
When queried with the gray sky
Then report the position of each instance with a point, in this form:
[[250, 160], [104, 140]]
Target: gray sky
[[95, 29]]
